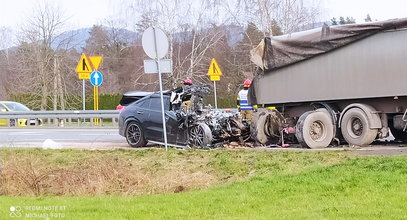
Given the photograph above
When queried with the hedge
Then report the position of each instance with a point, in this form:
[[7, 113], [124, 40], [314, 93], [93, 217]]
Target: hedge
[[107, 101]]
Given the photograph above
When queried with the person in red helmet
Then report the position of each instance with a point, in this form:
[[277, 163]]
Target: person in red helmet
[[186, 104], [243, 106], [188, 82]]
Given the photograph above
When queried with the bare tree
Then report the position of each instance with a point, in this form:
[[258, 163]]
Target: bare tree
[[5, 43], [191, 29], [290, 15], [38, 59]]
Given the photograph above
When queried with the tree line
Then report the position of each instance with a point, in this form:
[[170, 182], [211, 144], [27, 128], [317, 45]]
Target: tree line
[[42, 65]]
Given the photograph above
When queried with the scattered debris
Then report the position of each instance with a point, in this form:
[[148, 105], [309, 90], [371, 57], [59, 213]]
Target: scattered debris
[[50, 144], [224, 126]]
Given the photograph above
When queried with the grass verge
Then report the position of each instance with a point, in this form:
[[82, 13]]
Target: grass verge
[[249, 185], [36, 172]]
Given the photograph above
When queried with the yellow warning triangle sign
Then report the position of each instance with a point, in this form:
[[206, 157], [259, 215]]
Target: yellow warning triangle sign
[[214, 69], [84, 65], [95, 60]]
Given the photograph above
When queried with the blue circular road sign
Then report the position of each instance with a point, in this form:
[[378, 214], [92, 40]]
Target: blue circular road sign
[[96, 78]]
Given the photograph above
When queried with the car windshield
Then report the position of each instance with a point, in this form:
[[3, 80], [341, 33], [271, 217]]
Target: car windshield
[[14, 106]]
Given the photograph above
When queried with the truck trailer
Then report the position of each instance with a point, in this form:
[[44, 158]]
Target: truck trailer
[[346, 83]]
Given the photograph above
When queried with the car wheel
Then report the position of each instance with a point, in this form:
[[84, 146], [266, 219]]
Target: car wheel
[[135, 135], [200, 135]]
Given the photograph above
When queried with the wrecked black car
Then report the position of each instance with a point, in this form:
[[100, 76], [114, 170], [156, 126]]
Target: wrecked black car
[[188, 122]]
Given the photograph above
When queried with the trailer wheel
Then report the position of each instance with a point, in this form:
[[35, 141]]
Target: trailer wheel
[[315, 129], [355, 128]]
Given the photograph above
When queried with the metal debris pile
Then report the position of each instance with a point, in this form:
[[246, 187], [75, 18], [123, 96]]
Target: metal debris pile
[[226, 126]]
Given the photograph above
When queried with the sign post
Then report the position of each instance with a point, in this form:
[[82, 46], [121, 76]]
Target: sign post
[[155, 45], [97, 81], [83, 69], [96, 78], [214, 73]]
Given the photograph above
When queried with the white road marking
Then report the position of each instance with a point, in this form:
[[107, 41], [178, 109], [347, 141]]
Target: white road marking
[[25, 133]]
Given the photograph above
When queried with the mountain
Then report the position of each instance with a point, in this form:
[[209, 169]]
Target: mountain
[[76, 39], [71, 39]]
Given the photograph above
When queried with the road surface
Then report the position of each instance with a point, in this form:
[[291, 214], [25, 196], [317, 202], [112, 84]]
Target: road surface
[[106, 139], [62, 138]]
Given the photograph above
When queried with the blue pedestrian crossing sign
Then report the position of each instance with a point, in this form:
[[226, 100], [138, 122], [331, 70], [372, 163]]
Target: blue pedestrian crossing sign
[[96, 78]]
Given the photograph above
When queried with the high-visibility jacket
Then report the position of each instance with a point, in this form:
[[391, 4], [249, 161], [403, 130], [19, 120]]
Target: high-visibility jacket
[[242, 100]]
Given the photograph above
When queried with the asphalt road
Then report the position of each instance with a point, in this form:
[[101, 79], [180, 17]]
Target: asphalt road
[[62, 138], [106, 139]]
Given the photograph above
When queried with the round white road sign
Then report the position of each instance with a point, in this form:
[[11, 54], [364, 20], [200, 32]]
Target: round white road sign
[[153, 37]]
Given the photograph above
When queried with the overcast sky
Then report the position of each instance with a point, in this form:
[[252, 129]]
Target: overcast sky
[[378, 9], [85, 13], [81, 13]]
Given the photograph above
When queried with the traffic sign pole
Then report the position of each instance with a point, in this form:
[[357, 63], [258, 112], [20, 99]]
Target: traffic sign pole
[[96, 102], [155, 45], [214, 74], [96, 79], [161, 91], [85, 67], [83, 95], [214, 88]]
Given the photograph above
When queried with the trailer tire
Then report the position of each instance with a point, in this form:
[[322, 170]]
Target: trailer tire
[[355, 128], [315, 129]]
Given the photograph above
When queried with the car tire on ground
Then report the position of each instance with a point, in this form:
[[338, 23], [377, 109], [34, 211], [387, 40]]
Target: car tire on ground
[[200, 135], [315, 129], [135, 135], [355, 128]]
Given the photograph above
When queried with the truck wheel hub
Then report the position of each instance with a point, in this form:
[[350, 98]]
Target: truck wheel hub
[[316, 130], [357, 127]]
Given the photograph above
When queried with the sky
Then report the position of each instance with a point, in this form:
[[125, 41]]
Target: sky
[[85, 13], [81, 13], [378, 9]]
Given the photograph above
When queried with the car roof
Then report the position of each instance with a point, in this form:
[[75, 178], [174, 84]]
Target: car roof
[[137, 93]]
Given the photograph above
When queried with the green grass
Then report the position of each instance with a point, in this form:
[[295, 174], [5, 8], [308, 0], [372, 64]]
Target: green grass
[[282, 185]]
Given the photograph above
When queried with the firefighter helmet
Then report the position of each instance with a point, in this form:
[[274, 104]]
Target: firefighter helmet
[[188, 82], [247, 83]]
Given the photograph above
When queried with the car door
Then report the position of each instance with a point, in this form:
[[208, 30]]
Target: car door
[[155, 121], [140, 111]]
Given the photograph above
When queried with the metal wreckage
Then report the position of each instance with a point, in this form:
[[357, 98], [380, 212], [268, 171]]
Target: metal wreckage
[[208, 127], [211, 128]]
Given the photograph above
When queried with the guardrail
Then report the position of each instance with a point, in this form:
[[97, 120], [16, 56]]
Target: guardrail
[[73, 118]]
